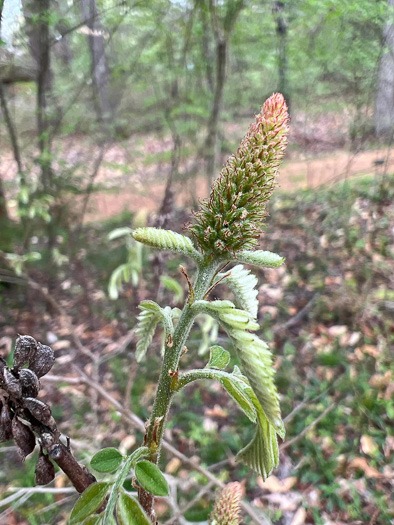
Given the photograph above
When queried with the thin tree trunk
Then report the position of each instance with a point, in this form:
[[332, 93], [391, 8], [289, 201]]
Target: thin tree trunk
[[211, 143], [384, 110], [99, 63], [222, 30], [281, 32], [36, 14]]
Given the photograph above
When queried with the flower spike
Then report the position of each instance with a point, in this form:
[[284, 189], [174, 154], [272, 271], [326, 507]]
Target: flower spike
[[232, 218]]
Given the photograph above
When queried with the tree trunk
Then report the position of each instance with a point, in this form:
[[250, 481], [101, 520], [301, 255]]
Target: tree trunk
[[222, 29], [384, 110], [99, 63], [36, 14], [281, 32], [37, 28], [211, 145]]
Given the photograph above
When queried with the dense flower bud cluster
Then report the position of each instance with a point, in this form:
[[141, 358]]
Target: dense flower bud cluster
[[227, 510], [232, 217]]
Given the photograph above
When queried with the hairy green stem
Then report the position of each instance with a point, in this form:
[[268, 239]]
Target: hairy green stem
[[137, 454], [172, 355]]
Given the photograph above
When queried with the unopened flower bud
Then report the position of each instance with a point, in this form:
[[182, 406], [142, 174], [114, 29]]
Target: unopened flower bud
[[227, 506]]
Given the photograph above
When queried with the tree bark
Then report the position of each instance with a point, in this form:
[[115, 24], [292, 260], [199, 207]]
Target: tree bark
[[384, 109], [281, 32], [99, 63], [222, 30], [211, 140]]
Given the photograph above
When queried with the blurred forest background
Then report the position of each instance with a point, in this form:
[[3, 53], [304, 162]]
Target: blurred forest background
[[120, 114]]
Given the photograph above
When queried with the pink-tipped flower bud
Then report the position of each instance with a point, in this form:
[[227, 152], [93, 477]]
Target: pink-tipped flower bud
[[232, 218], [227, 505]]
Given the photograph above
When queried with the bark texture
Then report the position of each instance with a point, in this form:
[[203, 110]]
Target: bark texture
[[384, 111], [99, 63]]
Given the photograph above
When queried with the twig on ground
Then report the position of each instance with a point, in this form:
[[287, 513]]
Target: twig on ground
[[190, 504], [308, 428], [293, 321]]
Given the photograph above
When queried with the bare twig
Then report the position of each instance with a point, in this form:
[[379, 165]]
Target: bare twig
[[190, 504], [308, 428], [293, 321]]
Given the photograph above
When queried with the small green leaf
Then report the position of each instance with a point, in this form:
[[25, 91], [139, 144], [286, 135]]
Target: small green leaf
[[151, 479], [119, 232], [107, 460], [89, 501], [129, 512], [166, 240], [218, 358], [139, 453], [260, 258]]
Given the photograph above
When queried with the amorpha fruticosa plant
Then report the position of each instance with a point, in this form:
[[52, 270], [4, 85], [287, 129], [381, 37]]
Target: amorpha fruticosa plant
[[224, 230]]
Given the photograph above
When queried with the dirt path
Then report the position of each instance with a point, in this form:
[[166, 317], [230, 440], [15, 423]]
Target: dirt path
[[134, 171], [295, 174]]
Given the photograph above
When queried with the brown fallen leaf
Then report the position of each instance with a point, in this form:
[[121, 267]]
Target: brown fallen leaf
[[274, 484], [362, 464], [216, 411], [173, 465], [381, 380], [368, 445], [299, 517]]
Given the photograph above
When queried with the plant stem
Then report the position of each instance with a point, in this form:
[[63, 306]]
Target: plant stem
[[162, 402]]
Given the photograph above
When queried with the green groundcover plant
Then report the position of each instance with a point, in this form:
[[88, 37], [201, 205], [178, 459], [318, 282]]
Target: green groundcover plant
[[224, 230]]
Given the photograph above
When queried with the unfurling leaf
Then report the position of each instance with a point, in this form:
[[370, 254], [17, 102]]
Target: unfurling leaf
[[243, 284], [262, 453], [227, 314], [89, 501], [260, 258], [218, 357], [166, 240], [256, 364], [146, 327], [129, 512], [107, 460], [150, 478]]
